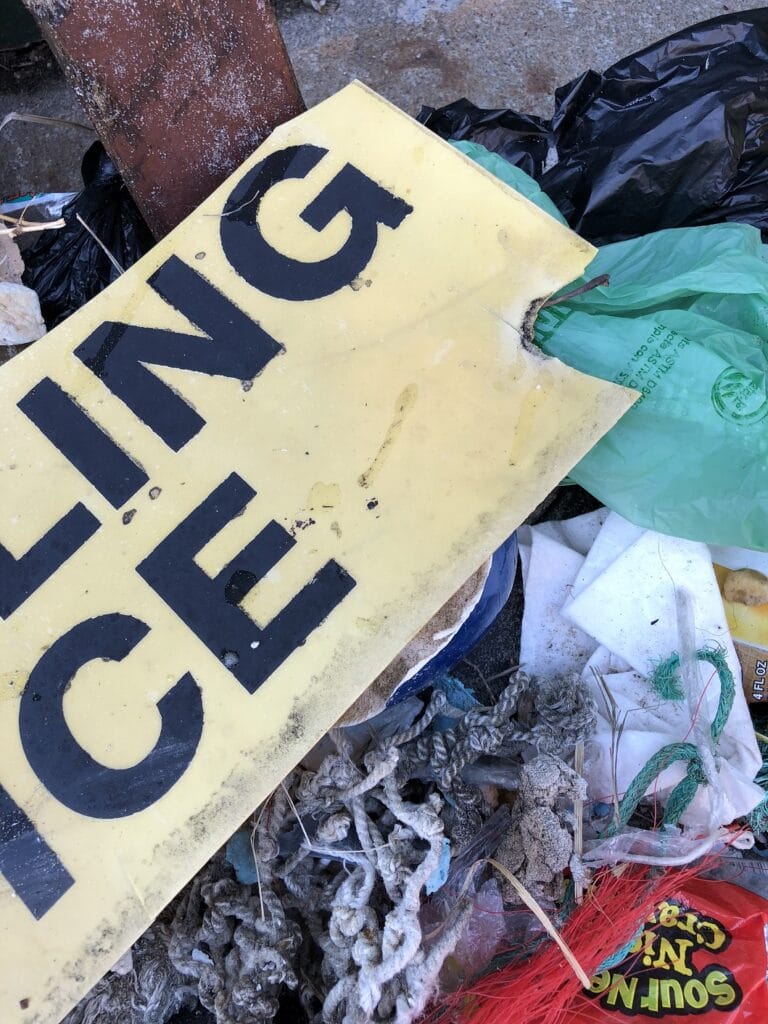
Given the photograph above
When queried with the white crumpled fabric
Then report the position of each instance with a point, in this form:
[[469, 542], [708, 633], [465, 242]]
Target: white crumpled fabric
[[603, 594]]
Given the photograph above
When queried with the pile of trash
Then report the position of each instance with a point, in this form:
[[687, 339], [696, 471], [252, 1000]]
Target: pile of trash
[[358, 877], [582, 836], [445, 836]]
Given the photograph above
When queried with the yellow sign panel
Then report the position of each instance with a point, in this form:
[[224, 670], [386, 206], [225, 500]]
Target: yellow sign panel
[[234, 486]]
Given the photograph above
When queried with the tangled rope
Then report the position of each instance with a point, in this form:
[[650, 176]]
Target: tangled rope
[[343, 856], [695, 776]]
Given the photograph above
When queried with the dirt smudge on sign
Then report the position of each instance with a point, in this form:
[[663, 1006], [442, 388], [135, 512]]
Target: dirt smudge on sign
[[405, 402]]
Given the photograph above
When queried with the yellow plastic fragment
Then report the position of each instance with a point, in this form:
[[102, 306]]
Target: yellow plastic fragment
[[381, 431]]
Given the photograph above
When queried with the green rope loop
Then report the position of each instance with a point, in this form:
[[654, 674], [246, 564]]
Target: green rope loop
[[667, 670], [685, 790]]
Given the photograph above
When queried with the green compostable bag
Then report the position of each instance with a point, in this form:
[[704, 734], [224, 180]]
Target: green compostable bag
[[684, 320]]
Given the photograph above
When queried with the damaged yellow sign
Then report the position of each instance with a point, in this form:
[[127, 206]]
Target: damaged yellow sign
[[234, 487]]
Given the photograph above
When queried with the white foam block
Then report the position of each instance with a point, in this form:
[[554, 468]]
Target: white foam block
[[550, 645]]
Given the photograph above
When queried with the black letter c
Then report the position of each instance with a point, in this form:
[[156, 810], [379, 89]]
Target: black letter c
[[70, 774]]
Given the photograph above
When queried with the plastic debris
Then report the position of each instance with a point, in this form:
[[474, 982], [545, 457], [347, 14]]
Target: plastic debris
[[674, 135], [742, 577], [484, 935], [44, 205], [611, 616], [684, 946], [459, 696], [445, 639], [684, 321], [240, 856], [664, 847], [103, 228], [439, 876], [701, 951]]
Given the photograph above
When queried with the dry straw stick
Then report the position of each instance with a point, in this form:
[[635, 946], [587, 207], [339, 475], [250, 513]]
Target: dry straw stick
[[578, 828], [99, 242], [21, 226], [534, 907]]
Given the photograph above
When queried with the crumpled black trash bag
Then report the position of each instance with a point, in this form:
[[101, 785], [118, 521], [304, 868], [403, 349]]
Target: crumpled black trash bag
[[672, 136], [67, 267]]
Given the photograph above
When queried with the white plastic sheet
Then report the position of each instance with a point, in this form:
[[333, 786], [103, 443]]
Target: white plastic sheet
[[602, 595]]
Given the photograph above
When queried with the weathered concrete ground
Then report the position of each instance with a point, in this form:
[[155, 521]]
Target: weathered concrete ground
[[495, 52]]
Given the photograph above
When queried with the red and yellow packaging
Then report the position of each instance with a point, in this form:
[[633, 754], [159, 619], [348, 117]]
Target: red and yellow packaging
[[700, 955]]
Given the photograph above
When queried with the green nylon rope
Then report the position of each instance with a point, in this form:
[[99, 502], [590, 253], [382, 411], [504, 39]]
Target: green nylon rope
[[685, 790], [758, 818]]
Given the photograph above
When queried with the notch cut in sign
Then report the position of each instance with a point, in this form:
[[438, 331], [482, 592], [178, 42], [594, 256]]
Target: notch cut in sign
[[159, 448]]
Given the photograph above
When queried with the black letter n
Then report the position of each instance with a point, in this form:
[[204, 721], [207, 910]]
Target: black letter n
[[235, 346]]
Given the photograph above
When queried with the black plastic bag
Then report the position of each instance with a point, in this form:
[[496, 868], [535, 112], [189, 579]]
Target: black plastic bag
[[672, 136], [68, 267]]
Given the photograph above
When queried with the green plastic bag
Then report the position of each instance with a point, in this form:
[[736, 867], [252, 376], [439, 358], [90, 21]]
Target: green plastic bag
[[510, 175], [684, 320]]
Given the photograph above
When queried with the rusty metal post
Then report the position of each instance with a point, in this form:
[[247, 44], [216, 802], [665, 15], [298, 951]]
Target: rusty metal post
[[180, 91]]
